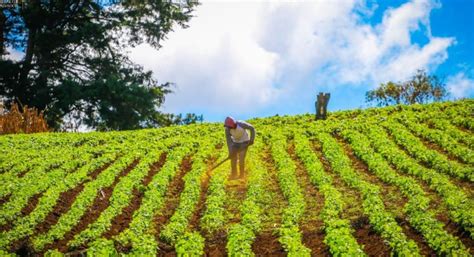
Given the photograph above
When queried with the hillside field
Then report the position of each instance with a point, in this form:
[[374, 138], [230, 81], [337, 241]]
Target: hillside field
[[377, 182]]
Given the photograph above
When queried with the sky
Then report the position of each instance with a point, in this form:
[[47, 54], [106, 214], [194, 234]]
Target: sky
[[255, 59], [252, 59]]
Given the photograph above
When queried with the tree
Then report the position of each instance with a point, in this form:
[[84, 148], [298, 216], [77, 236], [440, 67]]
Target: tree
[[75, 59], [421, 88]]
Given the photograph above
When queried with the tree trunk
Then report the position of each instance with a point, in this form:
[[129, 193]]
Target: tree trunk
[[23, 83]]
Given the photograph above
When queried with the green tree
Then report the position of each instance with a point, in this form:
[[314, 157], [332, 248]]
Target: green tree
[[421, 88], [75, 59]]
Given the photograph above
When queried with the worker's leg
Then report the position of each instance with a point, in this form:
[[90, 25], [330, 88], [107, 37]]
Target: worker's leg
[[242, 155], [233, 163]]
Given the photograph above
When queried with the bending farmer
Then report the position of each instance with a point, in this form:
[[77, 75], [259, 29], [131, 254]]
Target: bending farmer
[[237, 142]]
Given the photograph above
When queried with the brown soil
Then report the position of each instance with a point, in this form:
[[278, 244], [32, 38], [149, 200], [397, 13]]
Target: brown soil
[[412, 234], [4, 199], [216, 243], [310, 225], [199, 209], [175, 188], [31, 205], [101, 202], [439, 149], [457, 231], [352, 198], [393, 200], [23, 173], [65, 201], [466, 186], [314, 240], [215, 246], [373, 244], [122, 221], [266, 243]]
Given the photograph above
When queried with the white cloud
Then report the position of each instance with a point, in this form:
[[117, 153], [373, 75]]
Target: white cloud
[[460, 85], [247, 56], [14, 55]]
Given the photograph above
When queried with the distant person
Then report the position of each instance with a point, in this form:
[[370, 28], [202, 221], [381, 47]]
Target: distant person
[[238, 141]]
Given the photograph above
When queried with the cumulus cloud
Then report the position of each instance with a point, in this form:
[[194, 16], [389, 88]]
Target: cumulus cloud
[[247, 56], [460, 85], [14, 55]]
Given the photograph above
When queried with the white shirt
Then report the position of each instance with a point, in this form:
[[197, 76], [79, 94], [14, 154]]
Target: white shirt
[[239, 134]]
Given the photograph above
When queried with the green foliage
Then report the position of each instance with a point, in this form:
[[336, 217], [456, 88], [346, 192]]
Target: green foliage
[[339, 236], [387, 140], [421, 88], [290, 236], [76, 64], [416, 208], [242, 235]]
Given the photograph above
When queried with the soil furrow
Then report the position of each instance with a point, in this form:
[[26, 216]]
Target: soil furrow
[[65, 202], [466, 186], [122, 221], [101, 202], [454, 229], [373, 243], [414, 235], [4, 199], [311, 225], [175, 188], [266, 243], [199, 209]]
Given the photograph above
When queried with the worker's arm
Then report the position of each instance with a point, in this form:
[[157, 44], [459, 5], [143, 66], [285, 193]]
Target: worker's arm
[[248, 126], [228, 139]]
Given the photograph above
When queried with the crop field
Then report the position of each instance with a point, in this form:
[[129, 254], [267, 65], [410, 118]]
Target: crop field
[[377, 182]]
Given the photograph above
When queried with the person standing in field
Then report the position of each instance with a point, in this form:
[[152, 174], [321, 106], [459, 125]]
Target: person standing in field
[[238, 141]]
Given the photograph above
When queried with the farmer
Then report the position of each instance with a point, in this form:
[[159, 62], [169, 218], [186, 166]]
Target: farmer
[[237, 142]]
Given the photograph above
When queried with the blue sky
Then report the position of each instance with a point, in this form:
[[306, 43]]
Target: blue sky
[[260, 58]]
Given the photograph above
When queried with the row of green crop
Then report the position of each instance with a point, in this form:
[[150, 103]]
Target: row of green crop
[[416, 208], [139, 233], [289, 233], [242, 235], [438, 137], [25, 226], [338, 230], [373, 206], [38, 168], [141, 229], [141, 216], [432, 158], [85, 199], [457, 202], [213, 217], [39, 182], [176, 231], [439, 118], [457, 134], [121, 195]]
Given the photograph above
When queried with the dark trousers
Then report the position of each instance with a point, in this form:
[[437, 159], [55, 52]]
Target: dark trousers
[[238, 152]]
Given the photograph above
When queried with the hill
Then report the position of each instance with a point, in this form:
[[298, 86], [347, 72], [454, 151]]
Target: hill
[[395, 180]]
